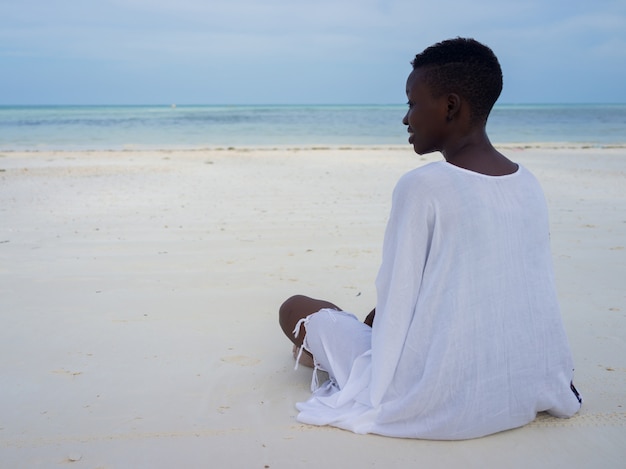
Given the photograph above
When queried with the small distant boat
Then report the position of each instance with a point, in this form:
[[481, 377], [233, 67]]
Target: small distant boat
[[173, 106]]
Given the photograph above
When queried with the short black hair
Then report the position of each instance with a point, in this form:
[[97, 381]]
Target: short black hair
[[466, 67]]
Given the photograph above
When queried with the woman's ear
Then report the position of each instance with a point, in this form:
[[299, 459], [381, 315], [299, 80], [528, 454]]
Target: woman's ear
[[454, 105]]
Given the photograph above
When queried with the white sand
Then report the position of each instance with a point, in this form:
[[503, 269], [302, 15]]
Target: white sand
[[138, 293]]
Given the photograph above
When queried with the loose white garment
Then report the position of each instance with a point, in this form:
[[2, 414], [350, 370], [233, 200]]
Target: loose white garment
[[468, 338]]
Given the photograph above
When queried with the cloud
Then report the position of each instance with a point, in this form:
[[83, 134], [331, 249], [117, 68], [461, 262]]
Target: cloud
[[140, 30], [333, 40]]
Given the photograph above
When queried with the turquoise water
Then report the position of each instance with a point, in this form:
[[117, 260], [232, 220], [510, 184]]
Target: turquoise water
[[167, 127]]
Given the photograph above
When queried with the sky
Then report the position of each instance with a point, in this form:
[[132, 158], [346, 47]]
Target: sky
[[246, 52]]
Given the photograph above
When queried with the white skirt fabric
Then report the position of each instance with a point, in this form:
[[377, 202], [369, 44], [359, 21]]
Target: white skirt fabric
[[335, 339]]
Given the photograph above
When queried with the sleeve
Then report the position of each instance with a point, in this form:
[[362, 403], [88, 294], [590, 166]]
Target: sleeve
[[405, 252]]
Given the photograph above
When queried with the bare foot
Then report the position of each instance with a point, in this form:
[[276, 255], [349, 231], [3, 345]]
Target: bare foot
[[306, 359]]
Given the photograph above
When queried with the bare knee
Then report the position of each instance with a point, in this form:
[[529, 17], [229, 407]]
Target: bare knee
[[289, 313], [295, 299], [286, 307], [296, 308]]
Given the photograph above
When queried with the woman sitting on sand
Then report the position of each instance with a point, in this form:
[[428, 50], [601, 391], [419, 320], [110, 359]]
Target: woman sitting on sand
[[466, 338]]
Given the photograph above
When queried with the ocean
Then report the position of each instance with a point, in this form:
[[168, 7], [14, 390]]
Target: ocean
[[38, 128]]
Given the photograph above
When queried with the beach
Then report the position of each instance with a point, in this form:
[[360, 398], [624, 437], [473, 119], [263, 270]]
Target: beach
[[139, 294]]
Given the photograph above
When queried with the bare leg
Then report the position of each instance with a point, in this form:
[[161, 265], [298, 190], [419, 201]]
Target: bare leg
[[296, 308], [291, 311], [306, 359]]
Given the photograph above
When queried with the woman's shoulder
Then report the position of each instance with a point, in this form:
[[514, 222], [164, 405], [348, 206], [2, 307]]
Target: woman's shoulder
[[425, 178], [428, 172], [420, 185]]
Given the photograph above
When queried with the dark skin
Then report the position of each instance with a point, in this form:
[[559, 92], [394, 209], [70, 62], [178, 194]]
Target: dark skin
[[298, 307], [435, 123], [294, 309], [444, 123]]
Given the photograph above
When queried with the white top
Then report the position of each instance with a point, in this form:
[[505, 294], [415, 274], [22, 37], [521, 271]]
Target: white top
[[468, 338]]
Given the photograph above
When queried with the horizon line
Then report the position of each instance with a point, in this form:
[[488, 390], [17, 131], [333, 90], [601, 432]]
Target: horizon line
[[176, 105]]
